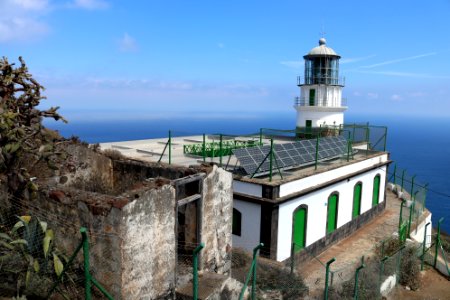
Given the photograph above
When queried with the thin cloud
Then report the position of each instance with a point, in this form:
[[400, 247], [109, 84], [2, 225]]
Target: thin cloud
[[396, 97], [394, 61], [372, 95], [128, 44], [89, 4], [404, 74], [221, 45], [355, 59], [22, 20]]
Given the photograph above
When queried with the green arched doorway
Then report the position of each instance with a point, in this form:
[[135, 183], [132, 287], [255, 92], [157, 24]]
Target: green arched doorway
[[332, 213], [376, 190], [357, 192], [300, 221]]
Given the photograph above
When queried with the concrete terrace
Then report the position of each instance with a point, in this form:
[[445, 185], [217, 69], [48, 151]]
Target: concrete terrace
[[153, 150]]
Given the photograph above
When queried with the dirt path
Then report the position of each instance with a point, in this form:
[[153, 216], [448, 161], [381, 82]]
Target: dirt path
[[434, 286], [348, 252]]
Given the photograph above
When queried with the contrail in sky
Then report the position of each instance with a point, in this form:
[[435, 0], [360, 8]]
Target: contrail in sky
[[389, 62]]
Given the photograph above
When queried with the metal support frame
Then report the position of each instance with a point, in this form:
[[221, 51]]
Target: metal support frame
[[317, 151], [204, 148], [438, 241], [424, 245], [400, 219], [195, 270], [170, 147], [355, 289], [251, 273], [411, 212], [327, 271], [88, 279]]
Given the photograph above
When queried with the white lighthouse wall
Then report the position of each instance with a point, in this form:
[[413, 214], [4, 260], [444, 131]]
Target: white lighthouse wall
[[317, 208], [319, 118], [325, 95], [250, 224]]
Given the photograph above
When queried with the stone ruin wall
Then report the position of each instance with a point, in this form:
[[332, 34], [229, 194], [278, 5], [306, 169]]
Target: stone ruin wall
[[132, 236]]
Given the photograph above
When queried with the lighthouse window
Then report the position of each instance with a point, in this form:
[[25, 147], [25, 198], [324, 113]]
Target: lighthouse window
[[237, 222]]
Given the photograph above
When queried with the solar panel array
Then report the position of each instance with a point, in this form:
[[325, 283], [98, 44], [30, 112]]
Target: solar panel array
[[290, 155]]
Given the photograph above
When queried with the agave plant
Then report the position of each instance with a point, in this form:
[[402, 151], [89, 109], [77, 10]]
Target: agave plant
[[27, 251]]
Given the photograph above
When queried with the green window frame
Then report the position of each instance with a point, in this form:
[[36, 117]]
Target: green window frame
[[357, 196], [376, 190], [332, 212], [299, 226]]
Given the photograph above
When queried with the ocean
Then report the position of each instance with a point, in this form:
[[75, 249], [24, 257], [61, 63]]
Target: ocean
[[419, 145]]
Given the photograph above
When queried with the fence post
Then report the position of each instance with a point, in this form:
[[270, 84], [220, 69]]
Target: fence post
[[195, 270], [381, 273], [423, 245], [355, 290], [317, 152], [395, 174], [220, 150], [400, 219], [385, 138], [327, 271], [403, 178], [260, 136], [271, 159], [438, 241], [255, 253], [411, 211], [87, 273], [204, 148], [170, 147]]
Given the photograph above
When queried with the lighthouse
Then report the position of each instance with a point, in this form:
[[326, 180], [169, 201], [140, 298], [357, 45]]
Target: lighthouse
[[320, 103]]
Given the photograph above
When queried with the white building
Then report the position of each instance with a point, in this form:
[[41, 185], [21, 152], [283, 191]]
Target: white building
[[292, 194]]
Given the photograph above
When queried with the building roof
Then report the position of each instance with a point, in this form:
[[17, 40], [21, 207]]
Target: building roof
[[322, 50]]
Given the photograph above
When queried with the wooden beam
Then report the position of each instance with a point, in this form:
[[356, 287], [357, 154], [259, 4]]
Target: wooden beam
[[189, 199]]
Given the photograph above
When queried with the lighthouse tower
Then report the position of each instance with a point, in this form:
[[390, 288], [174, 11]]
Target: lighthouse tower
[[320, 103]]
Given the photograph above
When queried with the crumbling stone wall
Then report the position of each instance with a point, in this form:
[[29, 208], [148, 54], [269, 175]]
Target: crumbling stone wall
[[217, 221], [148, 246]]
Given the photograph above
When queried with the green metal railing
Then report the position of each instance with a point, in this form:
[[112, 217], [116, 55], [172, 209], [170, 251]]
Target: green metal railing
[[252, 274], [88, 278], [195, 270]]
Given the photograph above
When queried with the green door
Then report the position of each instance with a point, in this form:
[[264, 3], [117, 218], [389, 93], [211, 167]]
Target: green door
[[376, 190], [312, 97], [332, 213], [300, 218], [357, 200], [308, 128]]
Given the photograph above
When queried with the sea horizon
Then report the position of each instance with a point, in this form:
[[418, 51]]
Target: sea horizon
[[419, 145]]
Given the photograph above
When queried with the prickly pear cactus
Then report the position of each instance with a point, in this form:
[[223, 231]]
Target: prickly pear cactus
[[24, 141]]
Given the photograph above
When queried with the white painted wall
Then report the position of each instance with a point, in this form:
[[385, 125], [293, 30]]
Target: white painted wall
[[251, 224], [320, 178], [417, 234], [318, 117], [317, 209], [247, 188]]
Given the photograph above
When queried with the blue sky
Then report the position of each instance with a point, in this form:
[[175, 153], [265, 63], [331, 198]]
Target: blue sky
[[143, 59]]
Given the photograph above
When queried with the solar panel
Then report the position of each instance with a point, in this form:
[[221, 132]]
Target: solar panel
[[290, 155]]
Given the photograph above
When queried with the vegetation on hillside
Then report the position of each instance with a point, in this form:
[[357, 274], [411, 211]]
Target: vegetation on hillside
[[24, 141]]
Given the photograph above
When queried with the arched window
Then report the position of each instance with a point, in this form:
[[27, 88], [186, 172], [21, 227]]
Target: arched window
[[332, 212], [300, 220], [376, 190], [237, 222], [357, 192]]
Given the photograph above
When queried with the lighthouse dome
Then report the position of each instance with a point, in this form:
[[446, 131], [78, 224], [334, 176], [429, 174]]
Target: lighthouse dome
[[322, 50]]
